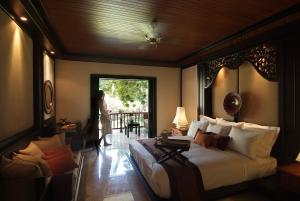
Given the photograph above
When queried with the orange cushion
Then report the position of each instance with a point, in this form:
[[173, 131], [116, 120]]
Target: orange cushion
[[62, 163], [203, 139]]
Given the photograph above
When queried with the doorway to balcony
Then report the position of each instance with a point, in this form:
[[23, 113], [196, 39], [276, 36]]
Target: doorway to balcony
[[132, 101]]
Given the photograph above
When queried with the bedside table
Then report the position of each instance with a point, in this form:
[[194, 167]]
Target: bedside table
[[290, 177], [178, 132]]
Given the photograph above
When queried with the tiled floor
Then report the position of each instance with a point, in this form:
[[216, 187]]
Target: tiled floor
[[110, 176]]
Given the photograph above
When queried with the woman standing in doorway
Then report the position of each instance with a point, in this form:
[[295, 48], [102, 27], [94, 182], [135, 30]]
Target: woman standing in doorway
[[104, 118]]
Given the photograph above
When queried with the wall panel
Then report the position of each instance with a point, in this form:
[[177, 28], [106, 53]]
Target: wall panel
[[16, 78], [190, 92]]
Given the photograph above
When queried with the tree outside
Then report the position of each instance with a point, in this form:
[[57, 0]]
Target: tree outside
[[125, 95]]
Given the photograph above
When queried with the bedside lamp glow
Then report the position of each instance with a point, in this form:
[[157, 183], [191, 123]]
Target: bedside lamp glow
[[180, 119], [298, 158]]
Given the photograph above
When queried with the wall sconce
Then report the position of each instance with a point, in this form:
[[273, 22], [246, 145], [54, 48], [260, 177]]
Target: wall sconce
[[180, 119]]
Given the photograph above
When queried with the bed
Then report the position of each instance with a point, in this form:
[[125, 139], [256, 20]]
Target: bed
[[218, 168]]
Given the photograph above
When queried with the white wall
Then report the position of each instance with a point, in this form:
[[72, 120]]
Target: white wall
[[72, 81]]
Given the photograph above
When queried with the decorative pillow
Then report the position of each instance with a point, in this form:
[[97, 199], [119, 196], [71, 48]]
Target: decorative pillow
[[223, 122], [18, 169], [203, 139], [49, 143], [245, 142], [195, 125], [218, 129], [61, 163], [32, 149], [35, 160], [220, 141]]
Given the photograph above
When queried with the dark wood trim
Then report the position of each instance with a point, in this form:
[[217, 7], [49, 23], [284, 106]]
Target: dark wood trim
[[264, 22], [8, 142], [152, 132], [115, 60], [180, 85], [38, 74], [37, 14], [199, 77], [7, 7]]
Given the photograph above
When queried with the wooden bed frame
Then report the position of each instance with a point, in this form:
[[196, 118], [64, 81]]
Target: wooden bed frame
[[214, 194]]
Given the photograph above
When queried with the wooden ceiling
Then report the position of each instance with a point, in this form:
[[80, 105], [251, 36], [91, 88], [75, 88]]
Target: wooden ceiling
[[116, 29]]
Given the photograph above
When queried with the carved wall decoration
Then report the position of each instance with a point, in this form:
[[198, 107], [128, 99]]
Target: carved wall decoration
[[48, 97], [262, 57]]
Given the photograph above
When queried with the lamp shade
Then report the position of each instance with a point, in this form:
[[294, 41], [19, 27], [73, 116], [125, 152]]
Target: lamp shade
[[180, 118], [298, 158]]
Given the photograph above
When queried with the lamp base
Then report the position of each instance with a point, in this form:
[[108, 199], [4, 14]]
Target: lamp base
[[181, 127]]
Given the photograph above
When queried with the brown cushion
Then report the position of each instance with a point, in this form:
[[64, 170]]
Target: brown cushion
[[61, 163], [18, 169], [219, 141], [35, 160], [203, 139]]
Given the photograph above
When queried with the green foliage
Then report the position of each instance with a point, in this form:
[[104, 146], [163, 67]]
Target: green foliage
[[128, 91]]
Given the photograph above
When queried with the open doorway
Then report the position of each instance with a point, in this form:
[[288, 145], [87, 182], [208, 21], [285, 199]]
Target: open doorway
[[132, 101]]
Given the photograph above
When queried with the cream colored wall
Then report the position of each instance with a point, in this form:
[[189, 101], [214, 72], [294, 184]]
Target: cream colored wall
[[48, 75], [16, 78], [72, 81], [190, 92], [260, 97], [225, 82]]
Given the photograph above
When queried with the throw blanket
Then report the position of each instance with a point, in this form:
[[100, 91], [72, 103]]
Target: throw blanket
[[185, 180]]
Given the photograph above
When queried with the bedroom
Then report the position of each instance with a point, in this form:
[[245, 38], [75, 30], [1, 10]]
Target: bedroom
[[177, 61]]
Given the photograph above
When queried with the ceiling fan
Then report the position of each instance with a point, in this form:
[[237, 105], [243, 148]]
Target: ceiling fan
[[153, 36]]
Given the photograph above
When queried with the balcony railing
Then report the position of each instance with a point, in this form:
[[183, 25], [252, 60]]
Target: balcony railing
[[119, 120]]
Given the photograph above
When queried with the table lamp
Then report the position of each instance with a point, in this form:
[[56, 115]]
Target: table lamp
[[298, 158], [180, 119]]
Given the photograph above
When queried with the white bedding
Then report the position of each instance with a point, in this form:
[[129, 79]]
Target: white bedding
[[218, 168]]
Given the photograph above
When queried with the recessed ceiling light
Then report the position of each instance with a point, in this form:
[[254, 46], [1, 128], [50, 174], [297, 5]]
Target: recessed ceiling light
[[24, 19], [52, 52]]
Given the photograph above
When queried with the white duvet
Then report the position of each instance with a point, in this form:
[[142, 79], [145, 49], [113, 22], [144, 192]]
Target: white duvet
[[218, 168]]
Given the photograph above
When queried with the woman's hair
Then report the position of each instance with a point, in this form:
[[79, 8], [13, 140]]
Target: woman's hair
[[100, 94]]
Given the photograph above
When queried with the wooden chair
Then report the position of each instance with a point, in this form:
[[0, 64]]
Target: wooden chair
[[90, 134]]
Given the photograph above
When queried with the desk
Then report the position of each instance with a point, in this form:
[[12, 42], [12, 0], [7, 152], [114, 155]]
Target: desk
[[132, 125], [72, 133]]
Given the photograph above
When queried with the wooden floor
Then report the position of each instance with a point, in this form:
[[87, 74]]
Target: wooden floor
[[110, 176]]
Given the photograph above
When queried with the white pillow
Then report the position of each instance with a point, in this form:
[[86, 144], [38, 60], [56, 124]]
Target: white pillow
[[218, 129], [210, 120], [246, 142], [32, 149], [195, 125], [269, 136], [223, 122]]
